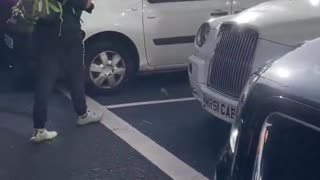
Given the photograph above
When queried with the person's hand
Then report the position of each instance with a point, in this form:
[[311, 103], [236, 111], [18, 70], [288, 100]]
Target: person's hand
[[88, 5]]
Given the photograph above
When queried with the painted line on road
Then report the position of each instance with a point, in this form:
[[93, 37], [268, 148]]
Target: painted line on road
[[160, 157], [150, 103]]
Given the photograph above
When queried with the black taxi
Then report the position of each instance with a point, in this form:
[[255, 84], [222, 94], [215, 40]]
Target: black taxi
[[276, 135]]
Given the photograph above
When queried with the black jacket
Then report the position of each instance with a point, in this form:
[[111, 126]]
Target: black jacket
[[71, 20]]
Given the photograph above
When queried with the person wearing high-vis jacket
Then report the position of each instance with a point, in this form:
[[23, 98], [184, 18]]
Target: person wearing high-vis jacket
[[58, 46]]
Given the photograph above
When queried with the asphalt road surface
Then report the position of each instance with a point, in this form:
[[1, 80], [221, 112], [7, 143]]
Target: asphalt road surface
[[162, 107], [153, 129]]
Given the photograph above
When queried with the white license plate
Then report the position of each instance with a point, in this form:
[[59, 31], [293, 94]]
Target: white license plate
[[8, 41], [218, 108]]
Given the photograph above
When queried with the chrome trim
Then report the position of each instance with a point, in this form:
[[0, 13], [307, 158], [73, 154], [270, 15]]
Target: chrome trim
[[262, 140], [231, 64]]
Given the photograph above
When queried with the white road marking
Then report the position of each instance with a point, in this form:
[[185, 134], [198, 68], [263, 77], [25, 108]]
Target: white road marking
[[164, 160], [150, 103]]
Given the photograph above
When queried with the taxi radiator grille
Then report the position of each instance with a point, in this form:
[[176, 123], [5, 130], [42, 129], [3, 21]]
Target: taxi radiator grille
[[230, 66]]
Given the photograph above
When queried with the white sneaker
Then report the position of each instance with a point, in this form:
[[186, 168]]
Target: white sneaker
[[40, 135], [91, 117]]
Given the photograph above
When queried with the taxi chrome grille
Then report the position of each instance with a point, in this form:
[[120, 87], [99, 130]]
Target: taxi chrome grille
[[230, 66]]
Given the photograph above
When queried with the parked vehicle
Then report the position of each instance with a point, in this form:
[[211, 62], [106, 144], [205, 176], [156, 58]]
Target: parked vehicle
[[14, 47], [135, 36], [229, 49], [4, 15], [277, 129]]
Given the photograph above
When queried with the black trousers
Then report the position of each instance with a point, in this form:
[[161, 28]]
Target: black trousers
[[57, 55]]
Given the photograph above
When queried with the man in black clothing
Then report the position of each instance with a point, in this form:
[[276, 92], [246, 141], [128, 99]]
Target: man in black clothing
[[59, 46]]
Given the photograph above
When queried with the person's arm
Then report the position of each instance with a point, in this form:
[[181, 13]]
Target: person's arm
[[80, 4]]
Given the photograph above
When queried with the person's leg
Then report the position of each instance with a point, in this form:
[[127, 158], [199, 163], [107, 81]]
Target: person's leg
[[46, 74], [76, 80], [47, 71], [75, 76]]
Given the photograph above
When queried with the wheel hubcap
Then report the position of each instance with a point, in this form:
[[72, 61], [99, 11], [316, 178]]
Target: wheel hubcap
[[107, 70]]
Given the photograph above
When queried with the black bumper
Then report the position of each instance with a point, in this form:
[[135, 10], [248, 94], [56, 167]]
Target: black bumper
[[223, 168]]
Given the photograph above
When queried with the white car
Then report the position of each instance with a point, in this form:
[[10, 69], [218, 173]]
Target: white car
[[231, 48], [125, 37]]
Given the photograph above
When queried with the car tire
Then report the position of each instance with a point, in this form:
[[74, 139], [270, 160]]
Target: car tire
[[109, 66]]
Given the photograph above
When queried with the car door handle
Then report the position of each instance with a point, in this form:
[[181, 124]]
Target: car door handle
[[132, 9], [222, 13], [151, 17]]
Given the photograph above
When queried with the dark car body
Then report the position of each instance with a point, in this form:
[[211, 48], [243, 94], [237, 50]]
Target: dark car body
[[277, 131], [16, 49], [5, 9]]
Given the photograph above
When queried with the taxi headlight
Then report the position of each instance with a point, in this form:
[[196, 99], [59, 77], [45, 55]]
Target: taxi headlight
[[203, 34]]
